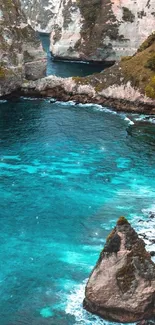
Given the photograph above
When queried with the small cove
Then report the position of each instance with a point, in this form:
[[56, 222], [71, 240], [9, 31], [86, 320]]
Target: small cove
[[67, 173], [66, 68]]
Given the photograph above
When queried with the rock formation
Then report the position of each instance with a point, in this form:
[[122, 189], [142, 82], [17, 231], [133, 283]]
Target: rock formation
[[92, 29], [128, 85], [122, 285], [21, 55]]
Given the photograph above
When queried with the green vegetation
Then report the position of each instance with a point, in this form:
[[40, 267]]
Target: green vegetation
[[99, 87], [2, 72], [150, 64], [125, 58], [81, 80], [90, 10], [128, 16], [150, 89], [139, 70], [148, 42], [122, 221], [110, 236]]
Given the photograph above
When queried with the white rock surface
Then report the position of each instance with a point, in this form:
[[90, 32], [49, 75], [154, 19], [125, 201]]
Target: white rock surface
[[112, 34]]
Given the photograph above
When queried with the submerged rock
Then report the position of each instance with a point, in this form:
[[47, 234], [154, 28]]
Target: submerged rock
[[122, 285]]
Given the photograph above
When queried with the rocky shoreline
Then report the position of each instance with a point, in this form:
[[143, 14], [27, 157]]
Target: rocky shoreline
[[128, 85], [67, 90], [111, 103]]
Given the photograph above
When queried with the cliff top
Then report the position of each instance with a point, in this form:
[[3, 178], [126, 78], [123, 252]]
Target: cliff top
[[138, 69]]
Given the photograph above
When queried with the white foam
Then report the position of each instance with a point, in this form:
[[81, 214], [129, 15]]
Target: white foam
[[104, 109], [74, 307], [30, 98], [68, 103], [129, 121], [146, 228], [2, 101], [145, 118], [86, 105]]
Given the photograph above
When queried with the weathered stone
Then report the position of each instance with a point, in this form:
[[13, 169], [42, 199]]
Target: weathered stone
[[34, 71], [122, 285], [92, 29], [122, 86], [18, 45], [146, 322]]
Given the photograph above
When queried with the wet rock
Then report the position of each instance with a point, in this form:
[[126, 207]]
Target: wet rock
[[152, 215], [146, 231], [146, 322], [122, 285]]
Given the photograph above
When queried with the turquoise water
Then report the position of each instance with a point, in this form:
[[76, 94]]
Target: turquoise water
[[67, 172], [68, 68]]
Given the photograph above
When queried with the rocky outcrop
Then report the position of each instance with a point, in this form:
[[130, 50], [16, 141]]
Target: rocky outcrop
[[122, 285], [92, 29], [21, 55], [126, 86]]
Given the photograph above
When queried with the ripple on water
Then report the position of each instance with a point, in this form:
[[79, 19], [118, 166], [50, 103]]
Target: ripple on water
[[67, 172]]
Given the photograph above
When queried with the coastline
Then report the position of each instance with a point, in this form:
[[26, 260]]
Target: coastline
[[59, 93]]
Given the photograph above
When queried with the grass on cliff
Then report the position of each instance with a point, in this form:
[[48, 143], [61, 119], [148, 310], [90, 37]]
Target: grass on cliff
[[90, 10], [139, 69]]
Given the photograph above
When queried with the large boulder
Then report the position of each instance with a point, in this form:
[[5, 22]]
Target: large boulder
[[122, 285]]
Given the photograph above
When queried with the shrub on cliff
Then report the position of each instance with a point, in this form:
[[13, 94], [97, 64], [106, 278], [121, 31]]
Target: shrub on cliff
[[150, 88], [148, 42], [128, 16], [151, 63]]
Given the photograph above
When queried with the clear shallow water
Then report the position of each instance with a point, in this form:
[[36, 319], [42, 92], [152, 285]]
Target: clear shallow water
[[67, 172], [66, 68]]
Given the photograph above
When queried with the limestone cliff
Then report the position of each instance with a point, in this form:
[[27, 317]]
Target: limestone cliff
[[92, 29], [21, 55], [128, 85]]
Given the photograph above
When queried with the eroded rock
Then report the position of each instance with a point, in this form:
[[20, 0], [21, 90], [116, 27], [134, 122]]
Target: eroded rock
[[21, 54], [122, 284], [92, 29]]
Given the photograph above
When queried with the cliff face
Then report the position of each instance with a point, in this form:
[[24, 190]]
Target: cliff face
[[21, 55], [128, 85], [92, 29]]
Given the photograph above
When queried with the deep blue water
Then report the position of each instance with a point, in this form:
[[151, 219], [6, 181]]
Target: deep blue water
[[67, 172], [67, 68]]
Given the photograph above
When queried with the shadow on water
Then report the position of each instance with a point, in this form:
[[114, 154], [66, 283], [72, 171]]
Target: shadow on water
[[143, 132], [68, 68]]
